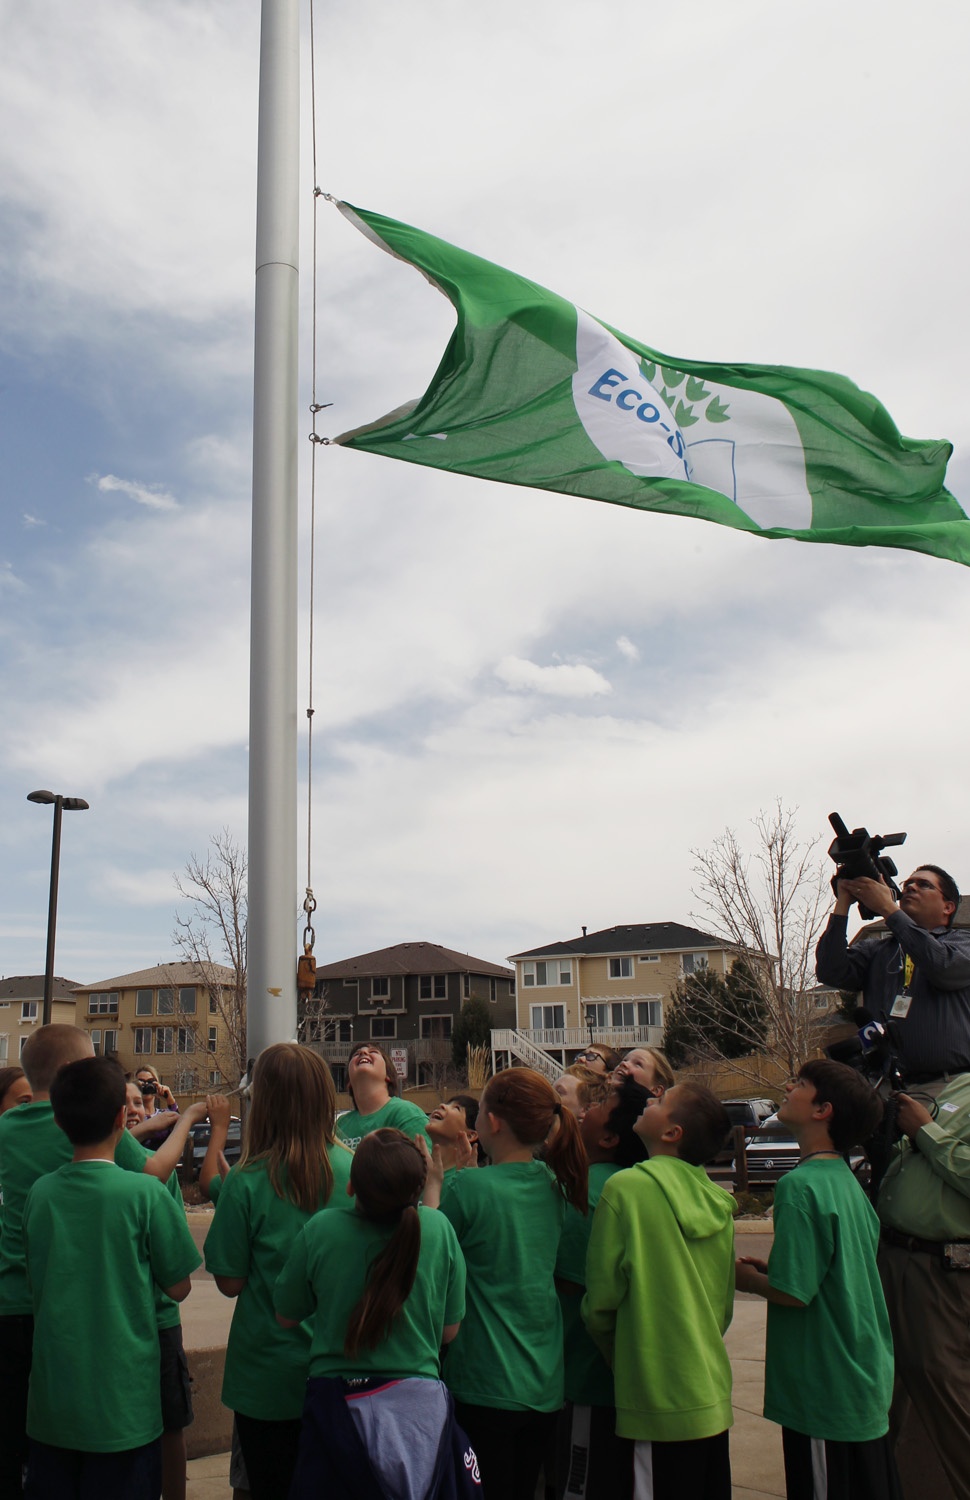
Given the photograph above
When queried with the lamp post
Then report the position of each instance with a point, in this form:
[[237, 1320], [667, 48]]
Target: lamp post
[[73, 804]]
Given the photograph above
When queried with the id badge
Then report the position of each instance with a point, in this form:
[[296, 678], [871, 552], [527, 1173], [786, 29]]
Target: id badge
[[901, 1006]]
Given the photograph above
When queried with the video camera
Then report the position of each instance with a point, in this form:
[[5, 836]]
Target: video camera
[[872, 1053], [860, 853]]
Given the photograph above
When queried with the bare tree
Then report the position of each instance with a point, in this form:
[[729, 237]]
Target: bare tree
[[211, 935], [770, 905]]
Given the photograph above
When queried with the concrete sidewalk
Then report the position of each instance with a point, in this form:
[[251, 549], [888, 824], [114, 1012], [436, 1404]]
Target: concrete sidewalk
[[756, 1460]]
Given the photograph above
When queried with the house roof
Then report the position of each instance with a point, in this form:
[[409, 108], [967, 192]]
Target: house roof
[[635, 937], [180, 971], [411, 958], [31, 987]]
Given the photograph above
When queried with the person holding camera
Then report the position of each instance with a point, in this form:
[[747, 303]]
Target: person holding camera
[[160, 1106], [918, 978]]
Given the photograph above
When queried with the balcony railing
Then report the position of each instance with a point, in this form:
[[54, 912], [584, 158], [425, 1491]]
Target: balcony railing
[[569, 1038]]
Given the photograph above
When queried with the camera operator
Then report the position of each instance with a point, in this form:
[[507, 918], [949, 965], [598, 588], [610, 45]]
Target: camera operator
[[920, 982]]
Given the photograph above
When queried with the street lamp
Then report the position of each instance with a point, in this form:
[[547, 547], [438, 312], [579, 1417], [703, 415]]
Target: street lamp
[[73, 804]]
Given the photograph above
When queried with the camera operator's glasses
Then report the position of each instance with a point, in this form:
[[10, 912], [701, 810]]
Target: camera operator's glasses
[[922, 885]]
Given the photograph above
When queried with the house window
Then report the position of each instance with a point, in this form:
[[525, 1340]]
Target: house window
[[466, 986], [436, 1028], [212, 1004], [383, 1028], [558, 971], [597, 1015], [621, 968], [187, 1000], [434, 987], [23, 1042], [350, 984], [166, 1002], [338, 1029], [213, 1038], [96, 1041], [380, 989], [186, 1079], [693, 963], [110, 1042], [103, 1004], [547, 1017], [28, 1010], [164, 1039], [143, 1038], [215, 1076], [493, 990], [143, 1002], [650, 958], [184, 1039], [4, 1043]]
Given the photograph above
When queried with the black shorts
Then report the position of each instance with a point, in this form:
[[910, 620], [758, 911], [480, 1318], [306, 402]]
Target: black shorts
[[176, 1382]]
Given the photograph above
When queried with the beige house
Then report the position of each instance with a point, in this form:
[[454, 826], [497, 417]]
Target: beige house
[[184, 1019], [22, 1010], [610, 985]]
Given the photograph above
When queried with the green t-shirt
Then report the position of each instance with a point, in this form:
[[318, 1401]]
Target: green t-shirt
[[588, 1378], [829, 1364], [31, 1145], [167, 1313], [251, 1235], [508, 1353], [99, 1240], [397, 1114], [325, 1275]]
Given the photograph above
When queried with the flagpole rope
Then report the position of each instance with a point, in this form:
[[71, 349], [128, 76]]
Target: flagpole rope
[[309, 904]]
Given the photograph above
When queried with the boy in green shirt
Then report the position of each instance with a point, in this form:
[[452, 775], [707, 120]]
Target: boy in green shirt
[[30, 1146], [98, 1241], [659, 1295], [829, 1355]]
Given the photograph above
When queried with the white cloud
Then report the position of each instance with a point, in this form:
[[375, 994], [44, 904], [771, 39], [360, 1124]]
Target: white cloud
[[564, 681], [152, 496], [30, 520], [626, 648]]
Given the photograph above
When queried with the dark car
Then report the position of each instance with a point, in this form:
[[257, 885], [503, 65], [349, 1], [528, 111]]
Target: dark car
[[200, 1143]]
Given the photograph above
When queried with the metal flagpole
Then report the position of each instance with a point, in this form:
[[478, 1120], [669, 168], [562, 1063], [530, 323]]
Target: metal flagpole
[[273, 906]]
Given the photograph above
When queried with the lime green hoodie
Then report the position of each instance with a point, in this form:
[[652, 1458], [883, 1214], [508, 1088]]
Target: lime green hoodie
[[659, 1295]]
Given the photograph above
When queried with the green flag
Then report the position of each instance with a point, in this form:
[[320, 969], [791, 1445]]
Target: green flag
[[533, 390]]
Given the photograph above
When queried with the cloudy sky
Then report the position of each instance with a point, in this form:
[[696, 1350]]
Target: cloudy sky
[[530, 708]]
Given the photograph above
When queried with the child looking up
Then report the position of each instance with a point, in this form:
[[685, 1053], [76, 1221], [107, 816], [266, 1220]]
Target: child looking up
[[31, 1145], [290, 1167], [385, 1288], [659, 1295], [98, 1241], [505, 1367], [829, 1356], [592, 1459], [451, 1128], [372, 1086]]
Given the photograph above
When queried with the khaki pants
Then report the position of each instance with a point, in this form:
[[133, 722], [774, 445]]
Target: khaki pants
[[929, 1310]]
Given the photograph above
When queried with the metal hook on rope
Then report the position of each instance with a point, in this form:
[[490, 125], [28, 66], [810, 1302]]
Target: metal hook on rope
[[306, 967]]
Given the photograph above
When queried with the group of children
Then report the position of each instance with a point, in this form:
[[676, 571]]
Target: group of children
[[580, 1285]]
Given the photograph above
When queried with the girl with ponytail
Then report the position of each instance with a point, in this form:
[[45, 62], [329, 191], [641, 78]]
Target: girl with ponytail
[[291, 1166], [505, 1368], [384, 1288]]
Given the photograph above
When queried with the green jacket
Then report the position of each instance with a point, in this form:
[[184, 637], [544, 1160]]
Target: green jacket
[[659, 1295]]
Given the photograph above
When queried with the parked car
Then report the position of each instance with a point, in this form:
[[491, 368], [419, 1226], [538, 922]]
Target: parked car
[[746, 1112], [773, 1150], [200, 1143]]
